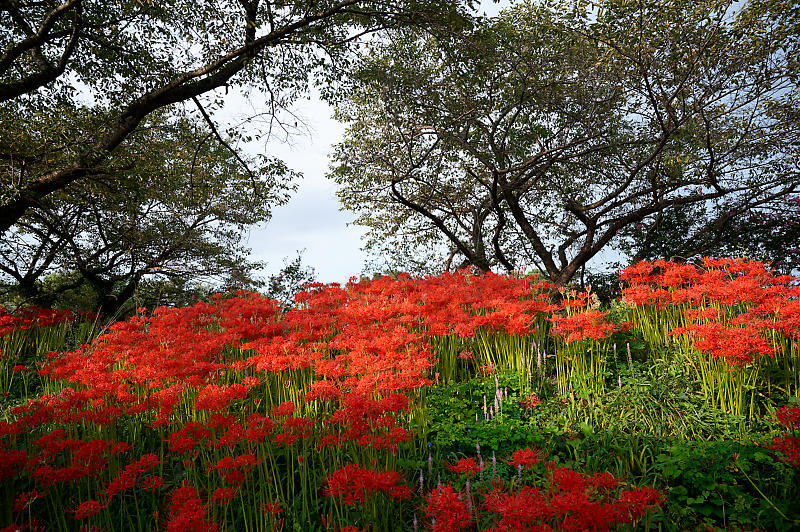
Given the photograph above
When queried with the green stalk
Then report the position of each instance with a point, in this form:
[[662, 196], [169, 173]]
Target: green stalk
[[762, 494]]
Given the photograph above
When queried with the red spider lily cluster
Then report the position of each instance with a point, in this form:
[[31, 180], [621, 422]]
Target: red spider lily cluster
[[29, 332], [736, 320], [789, 446], [582, 345], [25, 318], [568, 501], [187, 512], [234, 399], [447, 509], [356, 485], [577, 326], [731, 308]]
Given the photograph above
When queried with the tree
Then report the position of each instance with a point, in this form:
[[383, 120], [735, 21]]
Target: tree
[[538, 137], [769, 233], [172, 204], [284, 285], [129, 58]]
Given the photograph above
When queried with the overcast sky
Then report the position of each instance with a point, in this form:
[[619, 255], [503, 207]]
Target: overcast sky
[[312, 221]]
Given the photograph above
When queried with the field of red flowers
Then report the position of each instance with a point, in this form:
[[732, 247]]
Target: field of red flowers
[[455, 402]]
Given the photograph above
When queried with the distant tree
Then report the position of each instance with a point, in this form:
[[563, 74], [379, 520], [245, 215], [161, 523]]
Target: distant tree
[[170, 292], [770, 233], [173, 204], [66, 290], [129, 58], [284, 285], [538, 138]]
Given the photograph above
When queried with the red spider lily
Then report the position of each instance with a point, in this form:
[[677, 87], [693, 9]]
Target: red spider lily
[[118, 484], [300, 426], [251, 382], [120, 447], [90, 454], [532, 400], [579, 326], [48, 476], [232, 437], [570, 507], [789, 417], [259, 428], [488, 369], [636, 502], [128, 477], [735, 345], [286, 408], [526, 457], [142, 465], [13, 527], [187, 437], [566, 479], [187, 513], [25, 500], [53, 444], [329, 440], [217, 398], [233, 470], [151, 484], [466, 466], [284, 438], [355, 485], [447, 510], [516, 512], [789, 446], [10, 429], [727, 281], [223, 496], [321, 390], [603, 481], [272, 507], [26, 317], [391, 439], [88, 509]]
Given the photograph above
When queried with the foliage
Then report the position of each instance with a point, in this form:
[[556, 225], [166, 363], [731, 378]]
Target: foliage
[[767, 233], [537, 137], [173, 205], [129, 59], [728, 484]]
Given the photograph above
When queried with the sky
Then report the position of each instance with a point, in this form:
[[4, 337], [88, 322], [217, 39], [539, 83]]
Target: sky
[[312, 221]]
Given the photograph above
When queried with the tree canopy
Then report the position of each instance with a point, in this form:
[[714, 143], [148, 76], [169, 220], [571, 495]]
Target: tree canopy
[[536, 138], [126, 59], [769, 233], [173, 204], [114, 163]]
